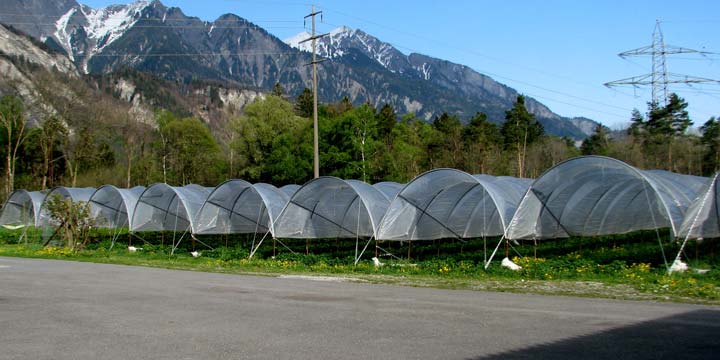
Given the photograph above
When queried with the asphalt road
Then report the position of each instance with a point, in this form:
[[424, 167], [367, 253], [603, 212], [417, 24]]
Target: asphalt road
[[70, 310]]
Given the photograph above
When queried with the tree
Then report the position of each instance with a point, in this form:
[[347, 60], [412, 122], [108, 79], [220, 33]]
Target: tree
[[52, 135], [447, 150], [598, 143], [711, 141], [408, 155], [659, 129], [192, 151], [304, 104], [73, 219], [84, 149], [386, 120], [519, 130], [12, 120], [676, 111], [259, 131], [480, 139], [339, 108], [350, 141], [135, 135], [637, 124], [364, 122], [163, 118], [278, 90]]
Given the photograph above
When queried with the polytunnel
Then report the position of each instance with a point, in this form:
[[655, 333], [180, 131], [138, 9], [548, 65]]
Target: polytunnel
[[113, 207], [73, 193], [162, 207], [702, 219], [389, 188], [595, 195], [290, 189], [328, 207], [22, 208], [239, 207], [449, 203]]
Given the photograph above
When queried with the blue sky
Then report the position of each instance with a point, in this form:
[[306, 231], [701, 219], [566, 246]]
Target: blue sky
[[560, 52]]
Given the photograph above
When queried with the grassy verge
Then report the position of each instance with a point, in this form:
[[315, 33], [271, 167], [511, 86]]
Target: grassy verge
[[570, 274]]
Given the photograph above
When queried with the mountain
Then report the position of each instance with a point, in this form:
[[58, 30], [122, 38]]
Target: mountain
[[50, 84], [150, 37], [461, 80]]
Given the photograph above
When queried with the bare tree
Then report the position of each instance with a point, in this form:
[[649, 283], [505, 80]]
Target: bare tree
[[12, 119]]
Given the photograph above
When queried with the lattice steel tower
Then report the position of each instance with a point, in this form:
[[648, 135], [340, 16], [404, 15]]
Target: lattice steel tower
[[660, 78]]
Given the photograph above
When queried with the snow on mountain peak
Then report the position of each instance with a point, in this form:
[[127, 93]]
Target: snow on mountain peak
[[295, 40], [343, 38], [61, 32], [101, 26], [340, 30], [107, 24]]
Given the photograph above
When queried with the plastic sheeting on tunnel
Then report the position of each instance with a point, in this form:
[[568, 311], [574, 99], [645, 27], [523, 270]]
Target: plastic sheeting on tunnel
[[449, 203], [239, 207], [22, 208], [702, 219], [595, 195], [328, 207], [113, 207], [389, 188], [162, 207], [290, 189], [75, 195]]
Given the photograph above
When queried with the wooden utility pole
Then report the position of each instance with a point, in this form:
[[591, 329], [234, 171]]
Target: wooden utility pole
[[313, 38]]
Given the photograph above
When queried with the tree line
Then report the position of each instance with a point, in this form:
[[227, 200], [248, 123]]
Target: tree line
[[92, 142]]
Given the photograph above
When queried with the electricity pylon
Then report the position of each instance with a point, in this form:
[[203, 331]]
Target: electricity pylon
[[659, 78]]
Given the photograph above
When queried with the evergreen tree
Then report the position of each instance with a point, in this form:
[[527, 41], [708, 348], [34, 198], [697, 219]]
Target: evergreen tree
[[658, 131], [304, 103], [520, 130], [340, 107], [711, 141], [480, 140], [447, 150], [480, 130], [598, 143], [386, 120], [637, 124], [278, 90]]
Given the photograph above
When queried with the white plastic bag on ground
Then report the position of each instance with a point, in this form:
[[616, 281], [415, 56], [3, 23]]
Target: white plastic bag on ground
[[678, 266], [377, 262], [510, 265]]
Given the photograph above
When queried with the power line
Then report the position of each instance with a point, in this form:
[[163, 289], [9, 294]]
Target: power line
[[578, 106], [544, 89], [659, 79], [515, 80], [472, 52], [468, 51], [552, 91]]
